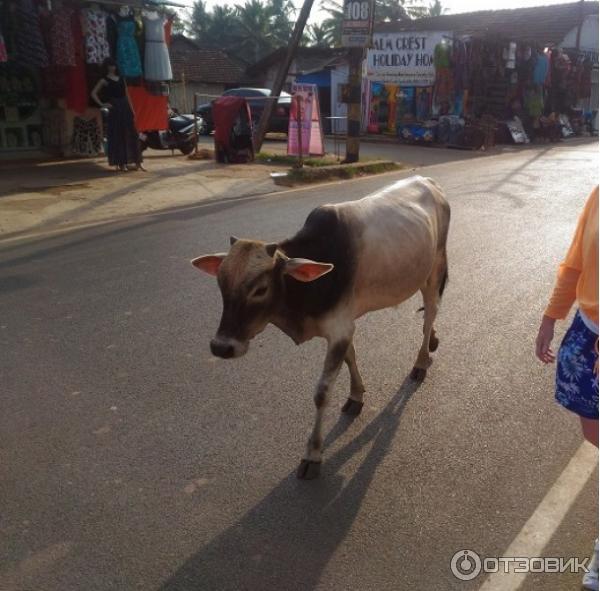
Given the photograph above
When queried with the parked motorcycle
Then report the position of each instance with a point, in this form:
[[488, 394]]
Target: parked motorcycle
[[179, 136]]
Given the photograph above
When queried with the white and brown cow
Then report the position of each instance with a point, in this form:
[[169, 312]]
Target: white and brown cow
[[347, 260]]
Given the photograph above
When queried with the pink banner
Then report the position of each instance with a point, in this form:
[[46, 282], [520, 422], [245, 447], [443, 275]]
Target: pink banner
[[304, 112]]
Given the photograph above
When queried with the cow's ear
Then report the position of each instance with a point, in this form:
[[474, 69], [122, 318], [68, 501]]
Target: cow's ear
[[209, 263], [305, 269]]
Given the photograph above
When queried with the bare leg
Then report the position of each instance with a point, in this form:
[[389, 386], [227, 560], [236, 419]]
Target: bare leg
[[590, 430], [354, 404], [336, 352]]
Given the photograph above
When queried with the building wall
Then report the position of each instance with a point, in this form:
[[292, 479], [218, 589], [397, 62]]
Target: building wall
[[267, 79], [183, 98], [339, 76]]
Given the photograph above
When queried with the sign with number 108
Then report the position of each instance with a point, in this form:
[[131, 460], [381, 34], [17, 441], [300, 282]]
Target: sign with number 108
[[357, 11], [358, 23]]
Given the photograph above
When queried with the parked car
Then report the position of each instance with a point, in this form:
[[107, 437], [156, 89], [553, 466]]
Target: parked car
[[256, 99]]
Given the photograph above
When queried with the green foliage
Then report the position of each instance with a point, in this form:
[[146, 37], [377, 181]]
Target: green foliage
[[284, 159], [319, 174], [252, 30], [436, 9], [317, 36], [248, 31], [385, 10]]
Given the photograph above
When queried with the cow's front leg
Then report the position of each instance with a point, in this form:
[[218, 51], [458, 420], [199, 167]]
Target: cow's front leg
[[336, 352], [354, 404]]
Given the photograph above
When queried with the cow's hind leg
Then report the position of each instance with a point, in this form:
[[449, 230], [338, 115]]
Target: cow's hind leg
[[336, 353], [354, 404], [432, 292], [441, 279]]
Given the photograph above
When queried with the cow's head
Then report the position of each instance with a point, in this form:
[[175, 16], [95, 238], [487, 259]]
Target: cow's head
[[250, 277]]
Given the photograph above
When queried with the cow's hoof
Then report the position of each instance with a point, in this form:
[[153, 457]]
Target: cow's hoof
[[308, 470], [352, 407], [434, 343], [418, 374]]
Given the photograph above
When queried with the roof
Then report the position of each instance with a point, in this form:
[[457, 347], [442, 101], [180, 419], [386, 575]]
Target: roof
[[546, 25], [211, 66], [306, 60], [182, 43]]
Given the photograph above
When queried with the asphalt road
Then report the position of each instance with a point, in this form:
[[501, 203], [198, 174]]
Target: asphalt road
[[132, 459]]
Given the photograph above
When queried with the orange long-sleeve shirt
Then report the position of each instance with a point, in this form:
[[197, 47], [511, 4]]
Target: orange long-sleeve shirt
[[577, 277]]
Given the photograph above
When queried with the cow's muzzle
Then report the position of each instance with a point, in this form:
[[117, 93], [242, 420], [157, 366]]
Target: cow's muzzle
[[227, 348]]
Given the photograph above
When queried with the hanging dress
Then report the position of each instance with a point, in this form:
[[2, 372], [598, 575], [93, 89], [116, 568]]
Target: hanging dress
[[76, 96], [3, 52], [30, 48], [121, 135], [96, 39], [128, 56], [157, 65], [62, 50]]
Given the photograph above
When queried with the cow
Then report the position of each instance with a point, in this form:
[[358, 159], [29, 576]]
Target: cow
[[348, 259]]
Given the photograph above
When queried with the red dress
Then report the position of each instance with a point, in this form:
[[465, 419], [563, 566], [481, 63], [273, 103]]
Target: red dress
[[77, 92]]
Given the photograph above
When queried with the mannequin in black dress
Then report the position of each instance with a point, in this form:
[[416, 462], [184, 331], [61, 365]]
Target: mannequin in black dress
[[122, 137]]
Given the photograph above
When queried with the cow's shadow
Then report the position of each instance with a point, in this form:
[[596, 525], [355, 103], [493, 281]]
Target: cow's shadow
[[286, 540]]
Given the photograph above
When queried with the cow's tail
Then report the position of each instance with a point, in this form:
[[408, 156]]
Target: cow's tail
[[444, 281]]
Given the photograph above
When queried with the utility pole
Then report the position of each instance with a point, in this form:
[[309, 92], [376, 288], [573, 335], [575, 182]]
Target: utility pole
[[355, 58], [579, 26], [282, 74], [357, 34]]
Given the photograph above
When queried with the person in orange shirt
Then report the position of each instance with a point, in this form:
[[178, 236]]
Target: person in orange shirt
[[577, 366]]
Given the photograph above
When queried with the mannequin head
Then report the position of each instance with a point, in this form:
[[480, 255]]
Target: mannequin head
[[110, 67]]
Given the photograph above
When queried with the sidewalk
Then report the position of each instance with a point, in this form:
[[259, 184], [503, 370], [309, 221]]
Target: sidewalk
[[52, 195], [36, 196]]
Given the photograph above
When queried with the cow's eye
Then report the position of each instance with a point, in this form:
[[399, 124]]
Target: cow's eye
[[259, 292]]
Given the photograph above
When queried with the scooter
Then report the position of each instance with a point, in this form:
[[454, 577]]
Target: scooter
[[179, 136]]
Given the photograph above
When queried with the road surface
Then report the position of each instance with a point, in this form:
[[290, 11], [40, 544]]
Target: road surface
[[132, 459]]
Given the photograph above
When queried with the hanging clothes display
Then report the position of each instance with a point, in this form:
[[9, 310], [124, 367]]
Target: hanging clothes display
[[30, 48], [423, 103], [540, 69], [112, 33], [168, 30], [96, 39], [86, 137], [391, 92], [76, 96], [459, 62], [157, 65], [128, 56], [150, 110], [3, 52], [54, 82], [443, 77], [62, 49]]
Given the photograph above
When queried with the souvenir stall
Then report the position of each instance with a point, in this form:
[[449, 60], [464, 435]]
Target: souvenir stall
[[472, 91], [51, 57]]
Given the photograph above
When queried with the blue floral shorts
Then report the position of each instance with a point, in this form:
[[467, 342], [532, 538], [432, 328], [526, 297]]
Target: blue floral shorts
[[576, 382]]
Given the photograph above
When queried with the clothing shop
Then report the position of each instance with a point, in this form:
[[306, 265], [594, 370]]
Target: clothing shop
[[51, 57], [472, 80]]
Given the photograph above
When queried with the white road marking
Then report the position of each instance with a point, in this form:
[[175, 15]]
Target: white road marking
[[546, 519]]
